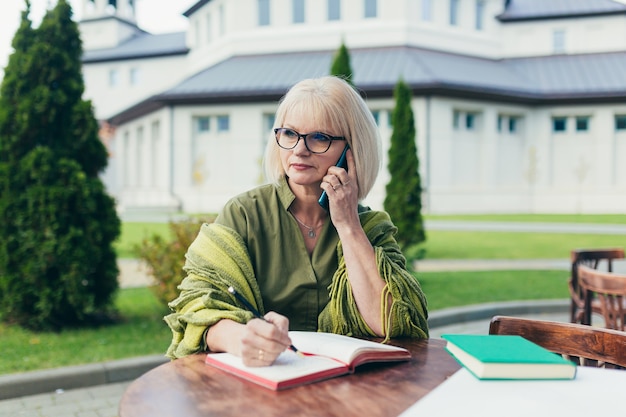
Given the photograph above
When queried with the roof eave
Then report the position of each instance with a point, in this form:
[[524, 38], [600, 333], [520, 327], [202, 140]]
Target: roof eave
[[195, 8], [130, 57], [113, 17], [504, 19], [374, 91]]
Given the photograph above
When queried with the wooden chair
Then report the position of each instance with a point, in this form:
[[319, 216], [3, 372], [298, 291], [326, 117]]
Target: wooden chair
[[582, 344], [606, 289], [592, 259]]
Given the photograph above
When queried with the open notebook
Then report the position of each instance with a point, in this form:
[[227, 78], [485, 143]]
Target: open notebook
[[326, 355]]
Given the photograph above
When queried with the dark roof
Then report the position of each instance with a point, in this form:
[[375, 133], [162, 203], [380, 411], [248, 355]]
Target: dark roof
[[197, 6], [598, 75], [520, 10], [556, 79], [141, 46]]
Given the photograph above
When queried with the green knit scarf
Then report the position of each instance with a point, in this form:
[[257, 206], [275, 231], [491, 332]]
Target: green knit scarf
[[218, 258]]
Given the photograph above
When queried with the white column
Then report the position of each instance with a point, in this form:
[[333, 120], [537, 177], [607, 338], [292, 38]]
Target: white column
[[126, 10], [94, 8], [101, 7]]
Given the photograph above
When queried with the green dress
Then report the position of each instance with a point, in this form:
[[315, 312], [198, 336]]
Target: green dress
[[256, 246]]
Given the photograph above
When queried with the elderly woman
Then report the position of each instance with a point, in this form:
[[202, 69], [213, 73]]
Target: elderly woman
[[301, 266]]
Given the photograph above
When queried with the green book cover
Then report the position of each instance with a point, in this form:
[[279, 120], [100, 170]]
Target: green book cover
[[507, 357]]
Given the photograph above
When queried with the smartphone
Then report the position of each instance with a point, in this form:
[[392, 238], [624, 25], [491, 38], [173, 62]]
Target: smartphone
[[341, 163]]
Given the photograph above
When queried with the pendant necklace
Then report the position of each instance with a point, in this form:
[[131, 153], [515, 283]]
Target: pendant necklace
[[311, 230]]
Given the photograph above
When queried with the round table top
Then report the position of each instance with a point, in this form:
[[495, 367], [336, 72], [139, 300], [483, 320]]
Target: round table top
[[188, 387]]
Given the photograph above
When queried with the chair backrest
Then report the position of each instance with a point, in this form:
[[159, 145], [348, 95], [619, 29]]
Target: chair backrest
[[591, 258], [610, 289], [585, 345]]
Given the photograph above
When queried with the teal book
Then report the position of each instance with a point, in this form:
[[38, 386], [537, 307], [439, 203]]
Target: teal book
[[507, 357]]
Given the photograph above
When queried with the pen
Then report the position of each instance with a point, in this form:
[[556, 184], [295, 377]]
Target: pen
[[254, 311]]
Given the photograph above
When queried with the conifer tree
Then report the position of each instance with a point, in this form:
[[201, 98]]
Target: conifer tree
[[57, 263], [16, 80], [341, 64], [403, 199]]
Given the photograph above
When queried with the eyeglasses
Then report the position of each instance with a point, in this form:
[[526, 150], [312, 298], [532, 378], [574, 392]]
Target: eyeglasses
[[315, 142]]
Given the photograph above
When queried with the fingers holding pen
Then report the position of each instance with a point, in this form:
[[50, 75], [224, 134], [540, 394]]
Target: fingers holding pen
[[264, 337], [281, 323], [256, 349], [264, 340]]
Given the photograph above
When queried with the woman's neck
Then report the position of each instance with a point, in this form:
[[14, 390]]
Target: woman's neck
[[308, 212]]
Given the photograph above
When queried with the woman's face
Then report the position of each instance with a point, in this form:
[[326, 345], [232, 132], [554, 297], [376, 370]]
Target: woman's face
[[302, 166]]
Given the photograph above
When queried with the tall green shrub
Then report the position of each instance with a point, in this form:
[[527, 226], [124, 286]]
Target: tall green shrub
[[341, 64], [57, 263], [403, 200]]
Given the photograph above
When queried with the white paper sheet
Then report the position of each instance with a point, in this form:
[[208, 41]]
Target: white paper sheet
[[594, 392]]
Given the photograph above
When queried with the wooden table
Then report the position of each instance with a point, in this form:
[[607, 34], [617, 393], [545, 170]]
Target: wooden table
[[187, 388]]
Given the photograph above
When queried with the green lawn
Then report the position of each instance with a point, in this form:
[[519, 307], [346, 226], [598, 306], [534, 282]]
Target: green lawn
[[455, 289], [540, 218], [142, 332], [462, 245], [443, 244], [133, 234]]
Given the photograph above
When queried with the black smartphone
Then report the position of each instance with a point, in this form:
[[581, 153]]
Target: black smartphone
[[341, 163]]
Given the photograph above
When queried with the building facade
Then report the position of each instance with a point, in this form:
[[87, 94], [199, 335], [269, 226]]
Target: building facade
[[520, 105]]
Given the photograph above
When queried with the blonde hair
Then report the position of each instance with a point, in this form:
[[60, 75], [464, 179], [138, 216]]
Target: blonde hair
[[332, 102]]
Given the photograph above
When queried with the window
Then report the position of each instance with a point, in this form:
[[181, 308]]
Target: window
[[620, 122], [480, 14], [114, 78], [269, 120], [268, 123], [134, 76], [467, 120], [197, 35], [223, 123], [454, 12], [559, 124], [510, 123], [456, 120], [264, 12], [582, 123], [222, 27], [370, 8], [376, 114], [298, 11], [155, 131], [470, 121], [427, 10], [558, 41], [334, 9], [209, 28], [203, 124]]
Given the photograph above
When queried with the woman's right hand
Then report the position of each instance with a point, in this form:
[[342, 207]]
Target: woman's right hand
[[263, 340]]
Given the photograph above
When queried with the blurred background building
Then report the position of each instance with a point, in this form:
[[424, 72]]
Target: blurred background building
[[520, 105]]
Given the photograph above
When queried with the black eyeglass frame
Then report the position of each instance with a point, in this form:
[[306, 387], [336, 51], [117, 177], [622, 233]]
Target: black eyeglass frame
[[304, 136]]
